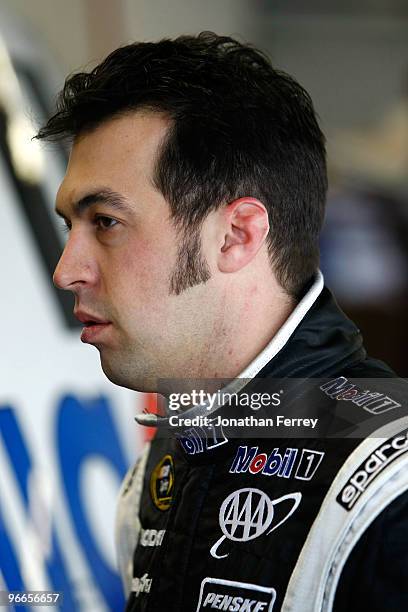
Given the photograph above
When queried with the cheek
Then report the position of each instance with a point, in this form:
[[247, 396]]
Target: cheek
[[142, 274]]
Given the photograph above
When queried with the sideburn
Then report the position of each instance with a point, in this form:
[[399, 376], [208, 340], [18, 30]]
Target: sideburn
[[191, 267]]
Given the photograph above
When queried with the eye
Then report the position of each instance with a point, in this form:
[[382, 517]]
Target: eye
[[105, 223], [65, 226]]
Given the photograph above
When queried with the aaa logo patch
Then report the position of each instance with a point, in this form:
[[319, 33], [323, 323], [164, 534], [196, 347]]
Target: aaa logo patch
[[162, 482]]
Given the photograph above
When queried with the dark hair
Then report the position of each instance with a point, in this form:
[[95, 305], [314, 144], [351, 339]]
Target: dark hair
[[239, 128]]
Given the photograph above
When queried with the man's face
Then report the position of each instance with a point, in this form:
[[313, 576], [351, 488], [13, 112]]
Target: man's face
[[123, 256]]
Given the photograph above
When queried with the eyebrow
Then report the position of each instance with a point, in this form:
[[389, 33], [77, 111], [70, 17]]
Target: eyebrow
[[103, 196]]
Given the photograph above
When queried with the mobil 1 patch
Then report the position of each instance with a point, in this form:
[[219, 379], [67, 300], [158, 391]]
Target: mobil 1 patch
[[219, 594], [370, 468]]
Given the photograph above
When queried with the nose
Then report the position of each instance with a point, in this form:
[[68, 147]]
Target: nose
[[75, 267]]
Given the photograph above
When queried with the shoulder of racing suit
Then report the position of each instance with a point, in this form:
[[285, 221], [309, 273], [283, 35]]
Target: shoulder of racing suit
[[261, 522], [374, 576], [348, 538]]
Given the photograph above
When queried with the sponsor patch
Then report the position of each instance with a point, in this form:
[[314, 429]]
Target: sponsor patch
[[141, 585], [162, 482], [200, 439], [218, 594], [247, 514], [281, 463], [372, 467], [151, 537], [374, 402]]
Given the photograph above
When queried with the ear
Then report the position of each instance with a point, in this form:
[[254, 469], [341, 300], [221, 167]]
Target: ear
[[245, 227]]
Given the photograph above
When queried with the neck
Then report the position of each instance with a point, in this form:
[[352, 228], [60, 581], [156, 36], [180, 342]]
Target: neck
[[244, 321], [255, 323]]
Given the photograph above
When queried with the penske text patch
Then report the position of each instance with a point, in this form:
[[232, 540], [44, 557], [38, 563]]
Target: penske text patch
[[219, 594]]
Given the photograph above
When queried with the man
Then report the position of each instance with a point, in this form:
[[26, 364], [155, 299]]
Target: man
[[194, 198]]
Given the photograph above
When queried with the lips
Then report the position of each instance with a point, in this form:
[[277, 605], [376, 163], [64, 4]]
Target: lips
[[94, 326], [88, 318]]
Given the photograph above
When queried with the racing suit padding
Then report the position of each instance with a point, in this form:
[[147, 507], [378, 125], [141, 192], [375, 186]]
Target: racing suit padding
[[314, 581]]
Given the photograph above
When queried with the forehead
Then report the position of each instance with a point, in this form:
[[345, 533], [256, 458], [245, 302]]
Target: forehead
[[119, 155]]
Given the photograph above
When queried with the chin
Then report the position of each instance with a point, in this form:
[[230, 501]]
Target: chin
[[124, 377]]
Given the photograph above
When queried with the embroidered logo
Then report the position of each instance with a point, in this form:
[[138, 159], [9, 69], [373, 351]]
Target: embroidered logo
[[372, 467], [162, 482], [372, 401], [142, 584], [279, 462], [200, 439], [247, 514], [219, 594]]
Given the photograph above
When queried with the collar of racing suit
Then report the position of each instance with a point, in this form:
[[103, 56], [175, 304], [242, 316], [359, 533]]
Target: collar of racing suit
[[316, 340]]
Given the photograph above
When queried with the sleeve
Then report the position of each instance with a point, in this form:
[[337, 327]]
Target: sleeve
[[127, 525], [375, 576]]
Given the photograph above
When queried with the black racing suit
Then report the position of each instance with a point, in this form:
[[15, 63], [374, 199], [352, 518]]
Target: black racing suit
[[245, 520]]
